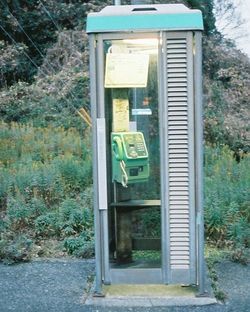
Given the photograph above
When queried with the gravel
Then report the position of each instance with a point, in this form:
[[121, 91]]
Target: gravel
[[61, 285]]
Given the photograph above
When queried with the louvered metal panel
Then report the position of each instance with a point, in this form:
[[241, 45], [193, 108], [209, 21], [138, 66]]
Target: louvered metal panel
[[179, 140]]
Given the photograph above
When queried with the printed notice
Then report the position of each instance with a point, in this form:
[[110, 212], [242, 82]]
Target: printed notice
[[120, 115], [125, 70]]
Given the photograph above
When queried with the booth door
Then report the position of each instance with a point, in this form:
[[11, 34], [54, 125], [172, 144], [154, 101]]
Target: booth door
[[133, 156]]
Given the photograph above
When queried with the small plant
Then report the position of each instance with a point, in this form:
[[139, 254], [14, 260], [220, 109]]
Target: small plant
[[21, 214], [82, 245], [213, 256], [18, 213], [72, 215], [47, 225], [220, 295], [239, 255], [19, 249]]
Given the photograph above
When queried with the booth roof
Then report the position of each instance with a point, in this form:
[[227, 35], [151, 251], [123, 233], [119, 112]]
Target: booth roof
[[152, 17]]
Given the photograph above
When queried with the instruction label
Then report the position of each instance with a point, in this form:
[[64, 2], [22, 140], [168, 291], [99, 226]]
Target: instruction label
[[125, 70]]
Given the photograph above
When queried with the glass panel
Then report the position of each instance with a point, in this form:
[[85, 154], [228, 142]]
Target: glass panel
[[132, 63], [144, 112], [131, 108]]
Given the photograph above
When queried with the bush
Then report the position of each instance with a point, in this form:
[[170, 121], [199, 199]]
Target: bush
[[18, 213], [76, 216], [77, 221], [26, 143], [81, 246], [47, 225], [72, 220]]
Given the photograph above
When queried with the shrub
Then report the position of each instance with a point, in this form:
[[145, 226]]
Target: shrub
[[21, 214], [47, 225], [147, 223], [18, 213], [24, 142], [74, 218], [77, 221], [81, 246]]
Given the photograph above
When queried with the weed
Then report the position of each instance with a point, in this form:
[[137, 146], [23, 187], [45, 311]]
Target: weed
[[19, 249], [214, 255], [81, 246], [220, 295], [240, 255], [47, 225]]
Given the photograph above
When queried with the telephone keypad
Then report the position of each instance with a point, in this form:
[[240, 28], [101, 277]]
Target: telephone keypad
[[135, 145]]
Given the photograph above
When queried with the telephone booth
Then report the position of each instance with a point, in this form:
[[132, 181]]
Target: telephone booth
[[146, 99]]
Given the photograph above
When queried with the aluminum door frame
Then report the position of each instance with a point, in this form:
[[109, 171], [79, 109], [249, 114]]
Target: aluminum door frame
[[104, 274]]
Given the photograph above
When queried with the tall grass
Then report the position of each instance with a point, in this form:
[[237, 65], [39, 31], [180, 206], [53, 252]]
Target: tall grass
[[43, 172], [227, 197], [45, 192]]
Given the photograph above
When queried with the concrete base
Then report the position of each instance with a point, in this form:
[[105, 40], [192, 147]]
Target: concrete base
[[149, 296]]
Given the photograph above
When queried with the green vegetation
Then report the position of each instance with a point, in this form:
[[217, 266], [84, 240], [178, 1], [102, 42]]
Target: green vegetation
[[33, 27], [227, 210], [45, 190], [45, 152], [213, 256], [227, 198], [46, 193]]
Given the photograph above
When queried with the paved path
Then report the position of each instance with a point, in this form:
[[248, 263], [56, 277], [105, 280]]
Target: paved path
[[60, 286]]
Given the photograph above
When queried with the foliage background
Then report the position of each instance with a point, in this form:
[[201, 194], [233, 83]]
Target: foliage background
[[45, 154]]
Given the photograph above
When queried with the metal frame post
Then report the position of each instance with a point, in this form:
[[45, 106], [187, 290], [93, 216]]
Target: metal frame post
[[199, 160], [92, 56], [103, 206], [191, 143], [164, 158]]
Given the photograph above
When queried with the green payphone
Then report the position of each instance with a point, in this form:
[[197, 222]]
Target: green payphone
[[129, 158]]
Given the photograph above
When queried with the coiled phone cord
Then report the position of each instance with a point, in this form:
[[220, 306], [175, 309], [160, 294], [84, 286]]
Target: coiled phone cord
[[124, 174]]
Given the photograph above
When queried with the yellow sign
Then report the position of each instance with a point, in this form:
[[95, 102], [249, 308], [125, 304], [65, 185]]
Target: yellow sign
[[124, 70]]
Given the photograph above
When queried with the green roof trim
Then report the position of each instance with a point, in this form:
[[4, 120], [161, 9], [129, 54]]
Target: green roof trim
[[132, 18], [144, 22]]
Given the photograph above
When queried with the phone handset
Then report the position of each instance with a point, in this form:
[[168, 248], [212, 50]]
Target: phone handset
[[118, 151], [117, 148]]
